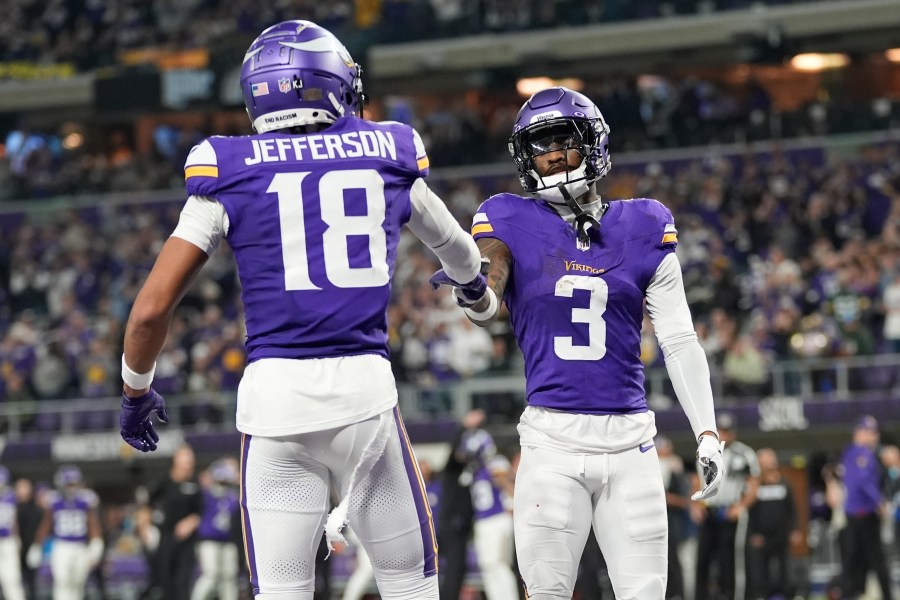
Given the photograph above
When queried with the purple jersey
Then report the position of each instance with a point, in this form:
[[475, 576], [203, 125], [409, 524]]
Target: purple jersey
[[7, 512], [313, 221], [487, 498], [70, 514], [220, 509], [577, 312]]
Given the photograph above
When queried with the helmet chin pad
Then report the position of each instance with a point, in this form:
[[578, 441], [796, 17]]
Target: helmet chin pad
[[575, 182]]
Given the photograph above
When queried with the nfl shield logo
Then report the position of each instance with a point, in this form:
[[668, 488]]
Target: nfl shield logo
[[284, 85]]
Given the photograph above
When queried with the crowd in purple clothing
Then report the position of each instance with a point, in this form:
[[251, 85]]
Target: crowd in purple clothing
[[787, 255]]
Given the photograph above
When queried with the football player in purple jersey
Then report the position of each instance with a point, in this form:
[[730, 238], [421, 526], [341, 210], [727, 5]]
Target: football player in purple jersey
[[575, 271], [217, 550], [70, 517], [311, 206]]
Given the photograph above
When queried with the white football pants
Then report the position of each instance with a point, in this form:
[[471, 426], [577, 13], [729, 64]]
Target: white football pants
[[11, 569], [286, 487], [218, 571], [70, 568], [558, 497], [494, 549]]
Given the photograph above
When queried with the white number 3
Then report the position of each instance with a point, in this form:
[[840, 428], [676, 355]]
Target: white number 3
[[592, 316]]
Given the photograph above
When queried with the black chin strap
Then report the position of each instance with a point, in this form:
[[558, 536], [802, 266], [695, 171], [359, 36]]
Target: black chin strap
[[582, 219]]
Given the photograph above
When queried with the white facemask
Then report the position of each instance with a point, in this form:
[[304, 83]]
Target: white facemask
[[576, 188]]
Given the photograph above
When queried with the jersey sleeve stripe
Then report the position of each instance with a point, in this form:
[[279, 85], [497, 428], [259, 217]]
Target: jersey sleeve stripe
[[422, 163], [670, 238], [480, 218], [201, 171], [482, 228]]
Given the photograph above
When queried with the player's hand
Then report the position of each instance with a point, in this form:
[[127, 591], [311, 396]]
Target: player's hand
[[465, 294], [94, 553], [712, 462], [134, 420], [34, 557]]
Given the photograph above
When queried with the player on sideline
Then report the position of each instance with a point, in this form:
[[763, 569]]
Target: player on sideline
[[10, 563], [312, 207], [70, 516], [574, 271]]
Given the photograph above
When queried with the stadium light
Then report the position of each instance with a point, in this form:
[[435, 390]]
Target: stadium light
[[528, 86], [72, 141], [815, 61]]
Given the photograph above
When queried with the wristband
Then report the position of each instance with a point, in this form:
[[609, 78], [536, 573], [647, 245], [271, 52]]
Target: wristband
[[137, 381], [488, 313]]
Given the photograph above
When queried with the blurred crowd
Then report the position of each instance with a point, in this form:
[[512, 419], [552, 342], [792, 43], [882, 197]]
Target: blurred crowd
[[787, 255], [645, 113], [90, 33]]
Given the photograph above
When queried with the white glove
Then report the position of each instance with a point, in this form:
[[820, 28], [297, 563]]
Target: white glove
[[94, 552], [712, 462], [34, 557]]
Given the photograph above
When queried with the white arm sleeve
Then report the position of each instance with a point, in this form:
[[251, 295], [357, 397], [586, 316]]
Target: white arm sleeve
[[203, 222], [432, 223], [685, 359]]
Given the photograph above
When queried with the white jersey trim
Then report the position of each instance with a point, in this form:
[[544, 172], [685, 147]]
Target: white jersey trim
[[577, 433], [203, 222], [283, 396]]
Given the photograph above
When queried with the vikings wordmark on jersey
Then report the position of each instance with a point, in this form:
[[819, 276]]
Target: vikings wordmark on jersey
[[569, 305]]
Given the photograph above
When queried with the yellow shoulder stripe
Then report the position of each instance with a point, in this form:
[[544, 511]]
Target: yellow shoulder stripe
[[423, 163], [202, 171], [482, 228], [670, 238]]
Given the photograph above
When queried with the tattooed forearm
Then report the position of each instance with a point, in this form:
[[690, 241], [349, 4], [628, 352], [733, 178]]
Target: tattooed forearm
[[499, 269]]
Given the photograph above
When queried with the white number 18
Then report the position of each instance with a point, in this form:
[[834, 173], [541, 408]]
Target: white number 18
[[340, 226]]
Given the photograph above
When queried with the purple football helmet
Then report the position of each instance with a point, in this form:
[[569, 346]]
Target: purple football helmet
[[559, 119], [224, 472], [296, 73], [67, 476]]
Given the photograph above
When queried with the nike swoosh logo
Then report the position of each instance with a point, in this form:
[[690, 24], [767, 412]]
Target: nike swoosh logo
[[644, 448]]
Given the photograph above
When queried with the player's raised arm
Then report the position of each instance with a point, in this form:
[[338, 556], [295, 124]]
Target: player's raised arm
[[460, 258], [687, 366]]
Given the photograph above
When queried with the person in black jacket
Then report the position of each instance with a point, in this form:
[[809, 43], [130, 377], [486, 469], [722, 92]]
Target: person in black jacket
[[454, 522], [181, 504], [28, 517], [772, 530]]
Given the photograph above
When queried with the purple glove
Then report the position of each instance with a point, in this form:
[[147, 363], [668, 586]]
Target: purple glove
[[466, 294], [134, 420]]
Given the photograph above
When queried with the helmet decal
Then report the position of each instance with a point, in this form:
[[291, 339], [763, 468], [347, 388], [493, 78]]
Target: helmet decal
[[297, 73]]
